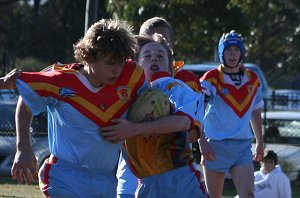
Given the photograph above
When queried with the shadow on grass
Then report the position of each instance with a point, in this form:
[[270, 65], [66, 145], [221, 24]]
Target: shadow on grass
[[9, 180]]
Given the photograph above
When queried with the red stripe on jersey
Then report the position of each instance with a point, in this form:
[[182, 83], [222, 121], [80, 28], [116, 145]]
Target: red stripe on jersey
[[238, 98], [109, 103], [190, 79], [44, 185]]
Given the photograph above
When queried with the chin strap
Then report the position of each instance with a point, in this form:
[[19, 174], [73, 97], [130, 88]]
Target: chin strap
[[236, 77]]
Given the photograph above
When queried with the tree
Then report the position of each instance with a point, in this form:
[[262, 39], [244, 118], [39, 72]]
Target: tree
[[270, 28], [47, 30]]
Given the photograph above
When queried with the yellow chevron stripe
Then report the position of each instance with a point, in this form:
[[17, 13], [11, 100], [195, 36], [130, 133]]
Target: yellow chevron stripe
[[193, 85], [239, 107], [83, 102], [88, 105], [212, 80], [133, 80]]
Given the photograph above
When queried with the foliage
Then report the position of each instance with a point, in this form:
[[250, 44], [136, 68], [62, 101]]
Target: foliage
[[47, 32], [30, 64], [270, 28], [273, 40], [197, 24], [47, 29]]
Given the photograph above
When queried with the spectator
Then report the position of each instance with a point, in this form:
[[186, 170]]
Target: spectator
[[270, 181]]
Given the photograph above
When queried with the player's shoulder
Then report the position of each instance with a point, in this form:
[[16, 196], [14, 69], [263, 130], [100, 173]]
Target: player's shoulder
[[210, 74], [186, 75], [250, 73]]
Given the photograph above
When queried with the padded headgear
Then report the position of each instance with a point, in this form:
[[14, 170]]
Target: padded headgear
[[231, 39]]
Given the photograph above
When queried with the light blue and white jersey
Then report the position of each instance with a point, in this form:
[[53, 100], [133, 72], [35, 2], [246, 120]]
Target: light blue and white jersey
[[230, 107]]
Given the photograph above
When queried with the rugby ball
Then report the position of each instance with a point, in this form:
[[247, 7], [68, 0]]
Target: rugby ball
[[150, 104]]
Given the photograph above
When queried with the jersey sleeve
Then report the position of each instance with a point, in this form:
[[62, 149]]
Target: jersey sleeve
[[206, 82], [259, 100], [200, 111], [184, 100], [35, 102], [190, 79]]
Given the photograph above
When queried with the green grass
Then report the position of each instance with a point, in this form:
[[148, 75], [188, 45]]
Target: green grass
[[11, 189]]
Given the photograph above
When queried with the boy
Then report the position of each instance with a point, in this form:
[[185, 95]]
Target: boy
[[234, 98], [270, 181], [169, 168], [127, 181], [162, 26], [81, 99]]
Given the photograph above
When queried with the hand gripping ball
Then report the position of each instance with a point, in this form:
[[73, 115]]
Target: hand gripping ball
[[150, 104]]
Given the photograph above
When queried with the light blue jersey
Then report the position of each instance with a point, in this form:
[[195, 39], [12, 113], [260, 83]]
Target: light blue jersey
[[230, 107], [76, 113]]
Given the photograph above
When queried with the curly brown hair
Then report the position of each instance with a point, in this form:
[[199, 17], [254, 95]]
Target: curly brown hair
[[106, 37]]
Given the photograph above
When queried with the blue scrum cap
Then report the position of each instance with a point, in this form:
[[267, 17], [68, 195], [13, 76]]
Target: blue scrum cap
[[231, 39]]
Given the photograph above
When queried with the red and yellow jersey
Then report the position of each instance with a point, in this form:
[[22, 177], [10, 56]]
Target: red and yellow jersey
[[157, 154], [190, 79], [238, 99], [193, 82], [112, 101], [230, 106], [153, 155]]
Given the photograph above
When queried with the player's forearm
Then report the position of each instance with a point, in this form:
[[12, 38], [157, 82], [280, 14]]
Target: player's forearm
[[256, 123], [164, 125], [2, 83], [23, 119]]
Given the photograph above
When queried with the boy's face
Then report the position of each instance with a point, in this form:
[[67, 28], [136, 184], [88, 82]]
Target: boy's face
[[105, 71], [165, 32], [268, 165], [232, 56], [153, 57]]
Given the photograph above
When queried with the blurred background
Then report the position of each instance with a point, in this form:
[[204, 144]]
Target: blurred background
[[37, 33]]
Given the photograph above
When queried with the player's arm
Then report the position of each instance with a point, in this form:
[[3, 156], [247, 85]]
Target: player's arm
[[24, 165], [194, 134], [256, 123], [205, 148], [124, 129], [9, 81]]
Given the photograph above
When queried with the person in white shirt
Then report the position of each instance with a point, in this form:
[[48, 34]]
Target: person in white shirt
[[270, 181]]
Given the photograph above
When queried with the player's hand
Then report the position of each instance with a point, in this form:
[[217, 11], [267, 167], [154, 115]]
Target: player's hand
[[24, 167], [259, 152], [10, 79], [120, 131], [206, 149]]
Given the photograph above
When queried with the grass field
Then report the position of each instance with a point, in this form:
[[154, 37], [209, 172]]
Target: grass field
[[10, 189]]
